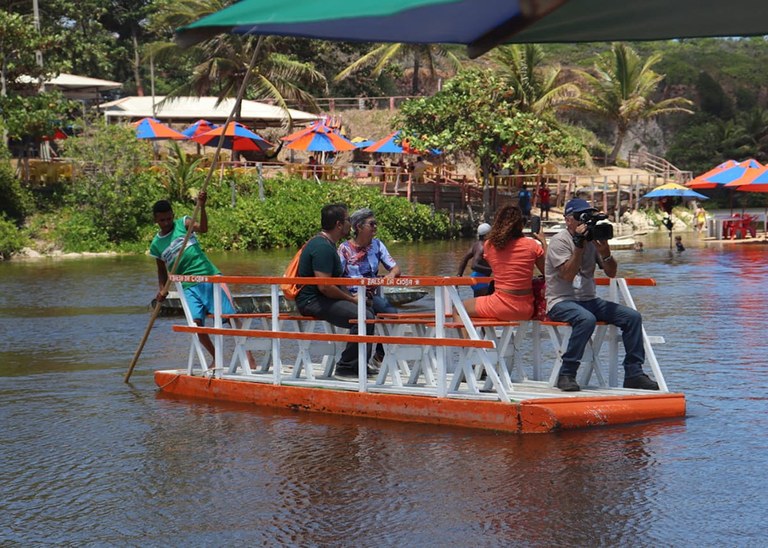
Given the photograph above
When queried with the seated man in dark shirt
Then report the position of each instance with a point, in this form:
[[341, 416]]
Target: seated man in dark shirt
[[332, 303]]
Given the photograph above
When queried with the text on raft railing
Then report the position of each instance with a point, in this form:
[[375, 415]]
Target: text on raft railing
[[450, 296]]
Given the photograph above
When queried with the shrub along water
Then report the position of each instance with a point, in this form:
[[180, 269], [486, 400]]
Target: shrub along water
[[116, 215]]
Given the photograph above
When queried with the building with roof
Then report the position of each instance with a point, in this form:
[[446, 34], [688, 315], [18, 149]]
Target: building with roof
[[189, 109]]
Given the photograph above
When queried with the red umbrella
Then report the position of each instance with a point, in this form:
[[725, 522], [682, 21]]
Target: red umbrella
[[750, 169], [154, 130], [236, 137], [702, 181]]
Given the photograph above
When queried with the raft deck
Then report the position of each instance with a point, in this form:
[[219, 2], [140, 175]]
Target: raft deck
[[474, 372]]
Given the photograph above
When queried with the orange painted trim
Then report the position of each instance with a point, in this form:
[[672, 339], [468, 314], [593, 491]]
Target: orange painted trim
[[642, 282], [402, 281], [531, 416], [414, 341]]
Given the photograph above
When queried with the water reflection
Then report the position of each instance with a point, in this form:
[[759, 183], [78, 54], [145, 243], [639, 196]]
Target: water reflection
[[82, 449]]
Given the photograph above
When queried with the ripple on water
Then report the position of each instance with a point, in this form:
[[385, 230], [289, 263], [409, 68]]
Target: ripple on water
[[91, 461]]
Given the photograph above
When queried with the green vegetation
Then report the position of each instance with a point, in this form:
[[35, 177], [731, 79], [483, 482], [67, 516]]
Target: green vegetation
[[476, 114], [513, 109], [288, 216], [11, 239], [621, 91]]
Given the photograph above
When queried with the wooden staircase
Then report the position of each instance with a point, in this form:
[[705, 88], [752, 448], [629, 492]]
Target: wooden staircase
[[659, 166]]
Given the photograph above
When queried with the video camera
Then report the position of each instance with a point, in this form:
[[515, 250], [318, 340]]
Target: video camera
[[596, 230]]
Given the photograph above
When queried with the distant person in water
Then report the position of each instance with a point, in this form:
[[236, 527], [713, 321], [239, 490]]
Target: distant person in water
[[639, 247], [166, 246], [679, 244], [701, 219]]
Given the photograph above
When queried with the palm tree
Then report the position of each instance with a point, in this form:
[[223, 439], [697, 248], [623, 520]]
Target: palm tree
[[386, 54], [621, 90], [536, 86], [222, 61]]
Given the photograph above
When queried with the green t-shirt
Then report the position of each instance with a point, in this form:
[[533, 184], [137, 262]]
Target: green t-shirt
[[319, 255], [193, 261]]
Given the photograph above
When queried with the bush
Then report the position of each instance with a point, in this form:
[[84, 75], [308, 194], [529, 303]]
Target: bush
[[290, 214], [15, 201], [115, 196], [11, 239], [77, 231]]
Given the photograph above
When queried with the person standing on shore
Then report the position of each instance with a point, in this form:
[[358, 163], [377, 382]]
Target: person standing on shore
[[544, 197]]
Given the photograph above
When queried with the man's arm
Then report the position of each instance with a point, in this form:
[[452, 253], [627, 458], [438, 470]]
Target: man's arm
[[465, 259], [201, 227], [605, 259], [571, 267], [162, 279], [334, 291], [394, 273]]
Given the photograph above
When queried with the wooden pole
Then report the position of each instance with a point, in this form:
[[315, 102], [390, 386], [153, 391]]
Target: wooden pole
[[196, 211]]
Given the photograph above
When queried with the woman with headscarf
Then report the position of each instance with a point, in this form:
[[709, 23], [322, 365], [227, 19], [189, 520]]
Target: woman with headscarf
[[360, 258], [512, 257]]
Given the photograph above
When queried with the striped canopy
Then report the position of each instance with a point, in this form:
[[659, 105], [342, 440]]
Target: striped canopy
[[198, 128], [483, 24], [319, 138], [729, 173], [236, 137], [758, 182], [673, 190], [154, 130], [388, 144]]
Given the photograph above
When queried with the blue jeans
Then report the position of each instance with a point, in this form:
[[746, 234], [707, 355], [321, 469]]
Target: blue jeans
[[583, 315], [339, 313]]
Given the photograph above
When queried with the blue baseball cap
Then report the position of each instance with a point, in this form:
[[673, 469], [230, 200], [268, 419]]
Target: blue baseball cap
[[577, 205]]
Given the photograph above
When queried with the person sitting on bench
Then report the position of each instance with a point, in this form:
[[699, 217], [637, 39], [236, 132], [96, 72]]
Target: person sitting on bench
[[571, 298]]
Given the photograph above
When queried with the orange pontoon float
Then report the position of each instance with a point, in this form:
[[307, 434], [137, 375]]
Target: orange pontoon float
[[477, 373]]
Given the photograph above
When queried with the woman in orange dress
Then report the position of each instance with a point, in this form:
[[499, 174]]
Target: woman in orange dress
[[512, 257]]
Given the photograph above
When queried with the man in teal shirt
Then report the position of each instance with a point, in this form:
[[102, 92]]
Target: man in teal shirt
[[165, 248]]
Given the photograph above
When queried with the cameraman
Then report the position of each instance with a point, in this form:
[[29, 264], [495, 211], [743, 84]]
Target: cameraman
[[571, 258]]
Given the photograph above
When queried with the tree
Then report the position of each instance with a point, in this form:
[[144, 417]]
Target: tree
[[221, 62], [384, 55], [537, 88], [621, 91], [27, 114], [712, 98], [475, 114]]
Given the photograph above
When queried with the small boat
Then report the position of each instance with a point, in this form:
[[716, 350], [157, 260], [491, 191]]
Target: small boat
[[260, 303], [622, 242]]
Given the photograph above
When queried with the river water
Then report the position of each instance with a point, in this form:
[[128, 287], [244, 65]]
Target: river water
[[90, 461]]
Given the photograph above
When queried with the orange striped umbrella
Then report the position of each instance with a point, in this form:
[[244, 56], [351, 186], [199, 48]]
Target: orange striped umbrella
[[154, 130]]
